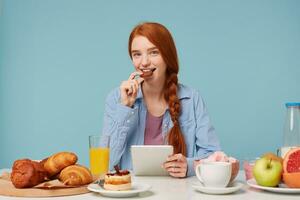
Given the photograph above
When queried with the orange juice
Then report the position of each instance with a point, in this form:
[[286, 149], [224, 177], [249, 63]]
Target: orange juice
[[99, 160]]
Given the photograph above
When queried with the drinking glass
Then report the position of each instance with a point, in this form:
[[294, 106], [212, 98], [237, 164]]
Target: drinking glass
[[248, 165], [99, 154]]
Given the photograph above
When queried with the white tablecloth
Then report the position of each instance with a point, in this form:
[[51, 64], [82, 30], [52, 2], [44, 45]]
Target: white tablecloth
[[165, 188]]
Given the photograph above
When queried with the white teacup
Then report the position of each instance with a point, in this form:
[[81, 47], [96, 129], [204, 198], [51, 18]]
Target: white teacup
[[214, 174]]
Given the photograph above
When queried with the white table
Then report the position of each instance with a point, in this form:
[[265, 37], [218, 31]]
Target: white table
[[179, 189]]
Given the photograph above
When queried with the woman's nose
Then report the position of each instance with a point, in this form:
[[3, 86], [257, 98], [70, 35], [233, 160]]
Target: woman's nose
[[145, 61]]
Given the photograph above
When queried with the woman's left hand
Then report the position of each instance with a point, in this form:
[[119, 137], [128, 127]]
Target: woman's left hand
[[176, 165]]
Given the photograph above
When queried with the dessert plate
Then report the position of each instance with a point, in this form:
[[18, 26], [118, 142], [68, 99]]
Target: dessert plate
[[233, 187], [136, 189], [282, 188]]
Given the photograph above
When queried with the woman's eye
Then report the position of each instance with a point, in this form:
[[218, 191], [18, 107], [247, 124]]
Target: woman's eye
[[136, 54], [154, 53]]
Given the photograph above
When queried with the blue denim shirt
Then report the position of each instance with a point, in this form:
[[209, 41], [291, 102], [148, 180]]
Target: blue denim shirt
[[126, 127]]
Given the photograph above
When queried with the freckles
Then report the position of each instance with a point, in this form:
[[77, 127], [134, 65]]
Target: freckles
[[135, 63], [158, 61], [155, 62]]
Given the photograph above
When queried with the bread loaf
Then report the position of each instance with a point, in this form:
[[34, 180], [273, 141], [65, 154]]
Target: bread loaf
[[75, 175], [27, 173], [55, 163]]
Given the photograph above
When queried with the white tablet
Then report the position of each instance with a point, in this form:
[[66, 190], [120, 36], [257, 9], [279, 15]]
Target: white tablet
[[148, 159]]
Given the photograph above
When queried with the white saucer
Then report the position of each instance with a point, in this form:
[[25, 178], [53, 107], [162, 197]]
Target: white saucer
[[233, 187], [136, 189]]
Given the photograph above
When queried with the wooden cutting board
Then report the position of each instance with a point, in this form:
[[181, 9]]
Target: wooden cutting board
[[8, 189]]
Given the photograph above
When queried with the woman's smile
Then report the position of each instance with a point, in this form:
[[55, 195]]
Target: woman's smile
[[147, 72]]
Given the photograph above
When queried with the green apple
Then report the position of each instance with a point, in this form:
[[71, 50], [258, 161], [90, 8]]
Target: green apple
[[267, 172]]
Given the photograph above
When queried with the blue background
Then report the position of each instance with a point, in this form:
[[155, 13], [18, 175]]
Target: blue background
[[60, 58]]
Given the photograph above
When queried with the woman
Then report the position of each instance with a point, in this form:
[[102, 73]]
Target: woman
[[151, 107]]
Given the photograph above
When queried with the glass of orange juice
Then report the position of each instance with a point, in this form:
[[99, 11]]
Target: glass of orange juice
[[99, 154]]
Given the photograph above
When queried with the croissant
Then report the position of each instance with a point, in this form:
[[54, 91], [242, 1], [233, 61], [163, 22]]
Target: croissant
[[75, 175], [55, 163], [27, 173]]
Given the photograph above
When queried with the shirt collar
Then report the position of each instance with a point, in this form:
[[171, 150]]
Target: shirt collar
[[183, 92]]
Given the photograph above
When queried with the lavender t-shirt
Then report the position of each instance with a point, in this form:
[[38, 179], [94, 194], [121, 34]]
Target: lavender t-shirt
[[153, 130]]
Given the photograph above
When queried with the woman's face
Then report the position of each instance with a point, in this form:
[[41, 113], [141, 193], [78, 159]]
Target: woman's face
[[147, 59]]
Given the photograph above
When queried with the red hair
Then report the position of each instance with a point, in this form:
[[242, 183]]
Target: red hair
[[159, 35]]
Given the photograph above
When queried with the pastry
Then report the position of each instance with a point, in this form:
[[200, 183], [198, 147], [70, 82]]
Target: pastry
[[42, 162], [120, 180], [27, 173], [75, 175], [55, 163]]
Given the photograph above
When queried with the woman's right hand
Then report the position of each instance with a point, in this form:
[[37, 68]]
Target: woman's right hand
[[129, 89]]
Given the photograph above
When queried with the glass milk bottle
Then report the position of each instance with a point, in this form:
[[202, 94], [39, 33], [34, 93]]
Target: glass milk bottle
[[291, 134]]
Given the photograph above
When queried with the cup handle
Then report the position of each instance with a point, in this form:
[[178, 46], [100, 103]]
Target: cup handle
[[198, 173]]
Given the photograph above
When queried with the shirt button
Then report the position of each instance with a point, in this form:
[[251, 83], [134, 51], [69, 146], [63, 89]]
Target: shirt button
[[128, 121], [132, 112]]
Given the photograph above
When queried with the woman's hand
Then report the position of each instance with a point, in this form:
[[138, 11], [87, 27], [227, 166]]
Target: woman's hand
[[176, 165], [129, 89]]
